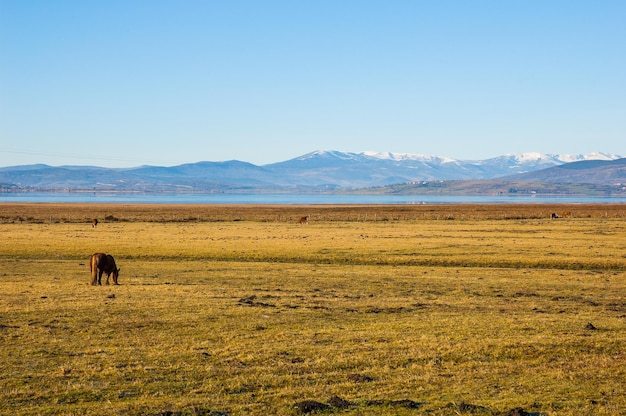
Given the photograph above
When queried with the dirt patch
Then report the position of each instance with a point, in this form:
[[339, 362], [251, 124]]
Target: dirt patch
[[521, 412], [468, 408], [339, 403], [360, 378], [406, 403], [311, 406], [251, 301], [195, 412], [336, 402], [400, 309]]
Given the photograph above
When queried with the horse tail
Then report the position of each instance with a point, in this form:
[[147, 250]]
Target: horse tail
[[93, 268]]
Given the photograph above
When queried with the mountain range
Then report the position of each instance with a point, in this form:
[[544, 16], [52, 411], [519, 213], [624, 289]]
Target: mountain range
[[319, 171]]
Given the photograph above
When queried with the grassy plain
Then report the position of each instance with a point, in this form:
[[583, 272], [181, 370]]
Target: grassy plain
[[403, 310]]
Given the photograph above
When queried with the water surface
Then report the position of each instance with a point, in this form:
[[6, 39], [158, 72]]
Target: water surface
[[293, 199]]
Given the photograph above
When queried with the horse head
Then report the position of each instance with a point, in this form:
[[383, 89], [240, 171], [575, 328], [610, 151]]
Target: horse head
[[115, 273]]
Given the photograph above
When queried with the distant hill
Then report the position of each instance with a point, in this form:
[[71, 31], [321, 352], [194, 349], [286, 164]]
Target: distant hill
[[589, 177], [587, 171], [317, 171]]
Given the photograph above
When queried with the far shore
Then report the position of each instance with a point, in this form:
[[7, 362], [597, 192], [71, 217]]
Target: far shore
[[21, 212]]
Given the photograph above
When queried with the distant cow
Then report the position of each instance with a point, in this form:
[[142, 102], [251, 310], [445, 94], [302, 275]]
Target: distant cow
[[103, 263], [554, 216], [566, 213], [94, 223], [304, 220]]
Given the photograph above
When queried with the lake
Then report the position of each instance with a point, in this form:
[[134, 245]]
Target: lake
[[294, 199]]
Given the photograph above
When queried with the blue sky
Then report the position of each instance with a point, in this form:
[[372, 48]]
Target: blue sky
[[126, 83]]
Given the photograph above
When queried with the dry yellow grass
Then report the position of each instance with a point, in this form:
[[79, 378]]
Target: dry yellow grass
[[251, 313]]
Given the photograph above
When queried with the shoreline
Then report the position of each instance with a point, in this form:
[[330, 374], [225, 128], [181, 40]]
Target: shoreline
[[74, 212]]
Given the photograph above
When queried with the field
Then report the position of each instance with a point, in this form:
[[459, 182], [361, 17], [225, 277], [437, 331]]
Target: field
[[364, 310]]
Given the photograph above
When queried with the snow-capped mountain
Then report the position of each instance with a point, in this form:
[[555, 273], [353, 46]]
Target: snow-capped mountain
[[364, 169], [513, 159], [545, 160], [313, 171], [515, 163]]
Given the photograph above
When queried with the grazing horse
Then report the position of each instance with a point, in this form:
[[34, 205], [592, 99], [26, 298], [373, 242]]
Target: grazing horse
[[554, 216], [566, 213], [94, 223], [304, 220], [103, 263]]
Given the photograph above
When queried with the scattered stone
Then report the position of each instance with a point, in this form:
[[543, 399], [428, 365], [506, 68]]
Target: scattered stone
[[310, 406]]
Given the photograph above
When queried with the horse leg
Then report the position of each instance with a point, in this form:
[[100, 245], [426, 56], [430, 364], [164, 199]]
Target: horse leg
[[108, 275], [100, 277]]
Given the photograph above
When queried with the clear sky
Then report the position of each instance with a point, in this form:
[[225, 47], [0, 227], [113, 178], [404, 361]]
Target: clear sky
[[124, 83]]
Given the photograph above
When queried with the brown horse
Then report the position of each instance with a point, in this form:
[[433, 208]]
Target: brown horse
[[103, 263], [566, 214], [94, 223], [304, 220]]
